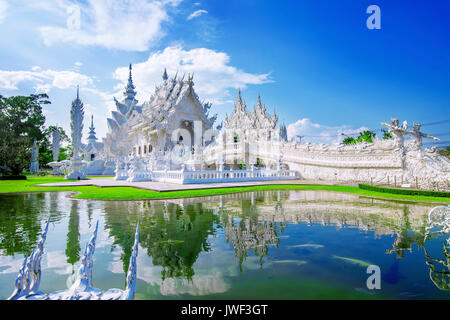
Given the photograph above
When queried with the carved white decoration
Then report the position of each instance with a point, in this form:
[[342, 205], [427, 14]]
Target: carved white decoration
[[28, 280], [34, 165], [76, 125]]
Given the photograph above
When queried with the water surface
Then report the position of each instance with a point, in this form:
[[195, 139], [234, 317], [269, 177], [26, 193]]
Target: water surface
[[253, 245]]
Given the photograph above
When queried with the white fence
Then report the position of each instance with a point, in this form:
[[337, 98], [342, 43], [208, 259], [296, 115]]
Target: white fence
[[207, 176]]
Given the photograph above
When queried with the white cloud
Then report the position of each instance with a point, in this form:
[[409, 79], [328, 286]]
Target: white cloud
[[213, 76], [44, 79], [120, 24], [318, 133], [3, 8], [196, 14]]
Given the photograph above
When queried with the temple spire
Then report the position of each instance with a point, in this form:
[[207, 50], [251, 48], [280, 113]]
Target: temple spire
[[259, 101], [165, 76], [130, 93], [92, 136]]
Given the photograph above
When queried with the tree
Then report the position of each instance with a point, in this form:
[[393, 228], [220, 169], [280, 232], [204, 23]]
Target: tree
[[349, 140], [21, 123], [365, 136], [387, 135]]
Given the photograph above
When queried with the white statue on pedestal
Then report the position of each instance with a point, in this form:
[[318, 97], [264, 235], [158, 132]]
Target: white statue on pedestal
[[76, 116], [55, 150], [34, 166]]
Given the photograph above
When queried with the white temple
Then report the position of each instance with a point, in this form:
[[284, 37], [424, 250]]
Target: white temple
[[172, 138]]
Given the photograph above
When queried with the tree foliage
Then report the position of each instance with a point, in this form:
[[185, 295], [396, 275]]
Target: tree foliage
[[21, 123], [387, 135], [365, 136]]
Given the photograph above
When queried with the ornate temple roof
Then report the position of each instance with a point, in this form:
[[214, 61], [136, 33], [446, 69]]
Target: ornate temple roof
[[126, 107], [93, 146], [163, 104], [258, 119]]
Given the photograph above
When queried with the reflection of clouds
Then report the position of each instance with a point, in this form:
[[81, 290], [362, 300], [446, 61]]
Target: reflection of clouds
[[12, 265], [56, 260], [210, 283], [146, 271], [199, 285]]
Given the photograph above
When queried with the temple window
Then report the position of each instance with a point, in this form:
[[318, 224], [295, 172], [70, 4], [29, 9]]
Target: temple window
[[236, 139], [145, 149], [150, 148], [139, 150]]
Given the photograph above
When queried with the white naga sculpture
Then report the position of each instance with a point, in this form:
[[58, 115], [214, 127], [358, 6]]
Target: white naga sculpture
[[28, 280], [76, 124]]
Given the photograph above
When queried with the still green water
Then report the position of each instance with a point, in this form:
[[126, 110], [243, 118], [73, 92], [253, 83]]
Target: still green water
[[254, 245]]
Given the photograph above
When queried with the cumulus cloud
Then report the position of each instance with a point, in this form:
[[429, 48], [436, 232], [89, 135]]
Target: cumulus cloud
[[318, 133], [44, 79], [196, 14], [120, 24], [3, 8], [213, 74]]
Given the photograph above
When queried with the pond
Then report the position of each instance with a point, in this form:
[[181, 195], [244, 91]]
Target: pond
[[253, 245]]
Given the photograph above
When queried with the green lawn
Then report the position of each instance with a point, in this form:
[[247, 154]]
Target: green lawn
[[92, 192]]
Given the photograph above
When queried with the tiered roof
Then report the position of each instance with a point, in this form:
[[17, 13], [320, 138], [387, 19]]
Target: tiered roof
[[158, 111], [164, 103], [258, 119]]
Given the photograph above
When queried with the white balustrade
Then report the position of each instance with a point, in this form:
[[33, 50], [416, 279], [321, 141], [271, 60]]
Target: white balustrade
[[121, 174], [205, 176]]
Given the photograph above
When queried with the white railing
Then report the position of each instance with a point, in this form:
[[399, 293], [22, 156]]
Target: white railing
[[206, 176], [215, 176], [139, 175], [121, 174]]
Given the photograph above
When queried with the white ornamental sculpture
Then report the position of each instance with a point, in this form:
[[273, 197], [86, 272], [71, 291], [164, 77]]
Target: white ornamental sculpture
[[29, 277], [55, 144], [417, 136], [34, 165], [76, 124]]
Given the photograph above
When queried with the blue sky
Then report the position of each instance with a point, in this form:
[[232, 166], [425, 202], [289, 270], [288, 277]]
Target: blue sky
[[315, 62]]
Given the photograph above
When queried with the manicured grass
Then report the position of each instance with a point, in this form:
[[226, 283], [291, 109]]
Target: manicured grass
[[124, 193], [413, 192]]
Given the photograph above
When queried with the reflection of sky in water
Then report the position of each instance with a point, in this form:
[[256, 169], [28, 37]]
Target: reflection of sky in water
[[273, 245]]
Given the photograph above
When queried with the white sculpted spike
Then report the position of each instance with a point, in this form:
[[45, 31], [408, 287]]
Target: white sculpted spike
[[27, 282]]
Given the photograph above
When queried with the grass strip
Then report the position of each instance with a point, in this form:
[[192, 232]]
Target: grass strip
[[130, 193]]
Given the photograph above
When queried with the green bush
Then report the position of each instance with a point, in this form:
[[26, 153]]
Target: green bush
[[405, 191]]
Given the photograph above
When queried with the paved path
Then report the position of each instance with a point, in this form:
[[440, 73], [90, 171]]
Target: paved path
[[163, 186]]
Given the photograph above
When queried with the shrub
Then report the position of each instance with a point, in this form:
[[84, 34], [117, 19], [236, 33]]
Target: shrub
[[405, 191]]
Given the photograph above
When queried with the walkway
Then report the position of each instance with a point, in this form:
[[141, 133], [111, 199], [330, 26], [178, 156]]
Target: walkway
[[163, 186]]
